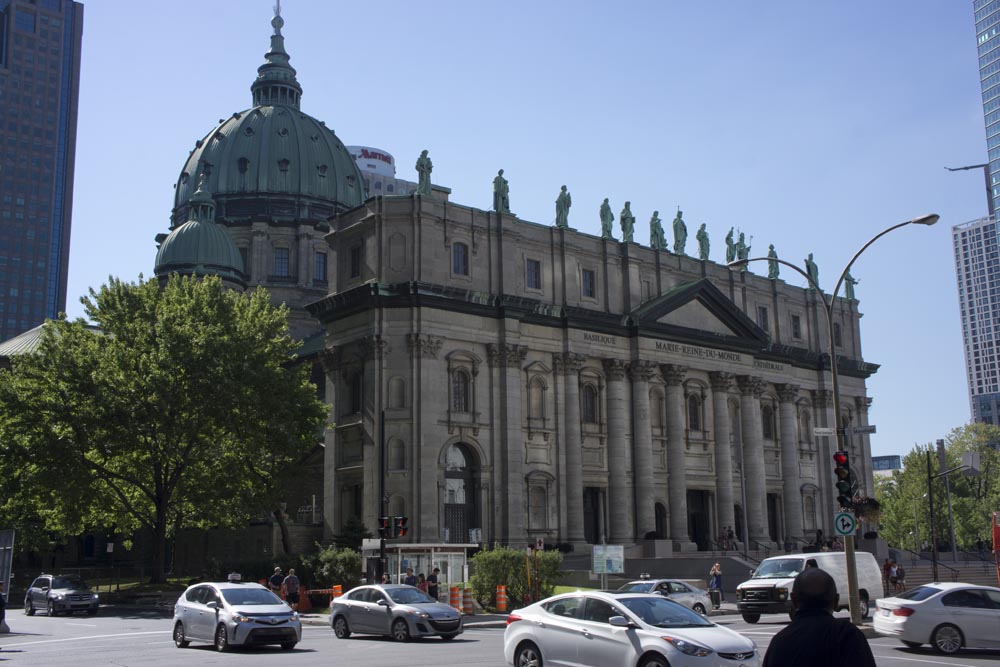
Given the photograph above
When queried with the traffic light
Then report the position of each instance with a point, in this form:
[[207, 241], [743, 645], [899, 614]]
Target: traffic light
[[844, 483], [400, 526], [385, 528]]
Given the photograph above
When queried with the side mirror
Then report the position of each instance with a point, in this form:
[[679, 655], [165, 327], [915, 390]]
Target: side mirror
[[212, 605], [620, 622], [382, 603], [752, 572]]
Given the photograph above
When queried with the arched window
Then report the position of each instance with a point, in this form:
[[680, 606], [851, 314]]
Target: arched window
[[356, 392], [589, 407], [536, 399], [460, 259], [805, 429], [810, 513], [838, 339], [656, 410], [694, 412], [460, 398], [538, 507], [767, 421]]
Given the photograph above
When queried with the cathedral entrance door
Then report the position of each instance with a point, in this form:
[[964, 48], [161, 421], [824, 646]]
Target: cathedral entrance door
[[699, 524], [460, 483], [593, 514]]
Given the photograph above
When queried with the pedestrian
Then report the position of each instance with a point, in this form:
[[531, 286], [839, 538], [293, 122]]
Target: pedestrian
[[422, 582], [3, 609], [837, 545], [732, 537], [815, 637], [724, 538], [386, 579], [893, 574], [410, 579], [886, 566], [715, 580], [432, 583], [291, 586], [900, 578], [275, 581]]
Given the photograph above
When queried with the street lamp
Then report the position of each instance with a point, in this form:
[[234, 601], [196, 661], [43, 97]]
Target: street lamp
[[928, 220]]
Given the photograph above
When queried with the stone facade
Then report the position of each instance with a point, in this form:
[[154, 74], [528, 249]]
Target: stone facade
[[541, 382]]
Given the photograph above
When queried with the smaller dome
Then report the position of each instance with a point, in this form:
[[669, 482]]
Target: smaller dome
[[200, 247]]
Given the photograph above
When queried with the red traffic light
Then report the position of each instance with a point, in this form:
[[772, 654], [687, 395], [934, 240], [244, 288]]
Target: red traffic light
[[840, 458]]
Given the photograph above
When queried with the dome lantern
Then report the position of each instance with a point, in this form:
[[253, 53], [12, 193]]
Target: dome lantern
[[276, 84]]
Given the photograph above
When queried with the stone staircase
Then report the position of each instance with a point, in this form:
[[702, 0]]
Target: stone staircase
[[983, 573]]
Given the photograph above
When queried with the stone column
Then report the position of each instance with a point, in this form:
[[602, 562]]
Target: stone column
[[569, 365], [642, 447], [751, 389], [787, 393], [862, 403], [259, 260], [304, 264], [826, 445], [722, 384], [620, 508], [507, 359], [426, 517], [673, 375]]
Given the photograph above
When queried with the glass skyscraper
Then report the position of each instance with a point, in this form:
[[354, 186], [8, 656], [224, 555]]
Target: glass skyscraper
[[39, 89], [988, 38]]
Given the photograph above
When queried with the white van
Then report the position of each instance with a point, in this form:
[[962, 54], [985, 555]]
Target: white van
[[769, 590]]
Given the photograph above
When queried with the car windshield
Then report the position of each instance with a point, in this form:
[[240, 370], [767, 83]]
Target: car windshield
[[250, 596], [779, 568], [919, 593], [664, 613], [69, 581], [409, 596], [636, 587]]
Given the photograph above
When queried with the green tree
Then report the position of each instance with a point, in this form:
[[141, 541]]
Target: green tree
[[511, 567], [183, 412]]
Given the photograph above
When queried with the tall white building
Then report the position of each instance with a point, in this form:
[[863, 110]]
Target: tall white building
[[976, 265]]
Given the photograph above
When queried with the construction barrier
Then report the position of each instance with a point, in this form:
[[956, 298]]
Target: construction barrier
[[336, 591], [501, 597], [454, 600], [305, 604], [467, 606]]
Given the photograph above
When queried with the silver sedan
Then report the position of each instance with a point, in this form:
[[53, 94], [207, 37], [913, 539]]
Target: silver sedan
[[393, 610], [690, 596]]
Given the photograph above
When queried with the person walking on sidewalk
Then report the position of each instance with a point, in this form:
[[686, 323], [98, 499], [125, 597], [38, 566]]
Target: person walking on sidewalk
[[291, 586], [275, 580], [715, 583], [814, 637]]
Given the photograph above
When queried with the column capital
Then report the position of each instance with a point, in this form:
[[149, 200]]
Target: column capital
[[423, 347], [506, 354], [372, 347], [787, 392], [751, 385], [673, 374], [642, 370], [567, 362], [823, 398], [862, 403], [330, 358], [614, 368], [721, 380]]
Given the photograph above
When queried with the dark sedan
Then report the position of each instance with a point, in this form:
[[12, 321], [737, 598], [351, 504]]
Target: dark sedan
[[393, 610]]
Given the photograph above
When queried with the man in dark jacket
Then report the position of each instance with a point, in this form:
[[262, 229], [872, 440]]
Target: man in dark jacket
[[815, 637]]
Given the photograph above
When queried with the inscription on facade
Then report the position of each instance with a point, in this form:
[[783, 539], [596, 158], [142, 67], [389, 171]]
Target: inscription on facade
[[599, 338], [768, 365], [698, 352]]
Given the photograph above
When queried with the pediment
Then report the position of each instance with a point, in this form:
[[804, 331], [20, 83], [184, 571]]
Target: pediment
[[698, 306]]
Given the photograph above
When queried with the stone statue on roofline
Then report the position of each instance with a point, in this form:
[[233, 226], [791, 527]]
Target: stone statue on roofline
[[424, 167], [730, 247], [680, 233], [607, 220], [703, 244], [627, 221], [849, 283], [657, 239], [813, 272], [772, 266], [563, 202], [501, 194]]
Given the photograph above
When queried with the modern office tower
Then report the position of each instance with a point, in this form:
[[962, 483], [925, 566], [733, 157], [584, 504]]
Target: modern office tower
[[988, 38], [976, 264], [39, 89]]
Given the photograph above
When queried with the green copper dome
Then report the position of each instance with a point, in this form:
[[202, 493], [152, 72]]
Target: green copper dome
[[272, 160], [200, 247]]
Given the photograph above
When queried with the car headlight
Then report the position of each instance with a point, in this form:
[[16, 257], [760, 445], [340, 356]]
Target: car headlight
[[419, 614], [240, 618], [96, 596], [782, 593], [58, 596], [689, 648], [295, 615]]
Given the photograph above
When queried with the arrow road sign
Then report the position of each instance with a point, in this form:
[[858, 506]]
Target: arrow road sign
[[860, 430], [844, 523]]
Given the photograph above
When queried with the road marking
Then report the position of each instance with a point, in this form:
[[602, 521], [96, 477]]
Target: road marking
[[932, 662], [83, 625], [77, 639]]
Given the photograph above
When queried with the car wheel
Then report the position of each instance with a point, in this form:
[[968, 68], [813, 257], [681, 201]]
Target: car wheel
[[700, 608], [29, 609], [288, 646], [527, 655], [865, 609], [655, 661], [340, 628], [221, 639], [400, 630], [179, 640], [751, 618], [448, 638], [50, 609], [947, 639], [912, 644]]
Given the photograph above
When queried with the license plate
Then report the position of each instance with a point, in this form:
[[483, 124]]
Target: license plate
[[886, 612]]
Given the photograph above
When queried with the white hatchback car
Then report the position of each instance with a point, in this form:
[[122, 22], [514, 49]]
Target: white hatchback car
[[948, 616], [599, 628], [690, 596], [233, 613]]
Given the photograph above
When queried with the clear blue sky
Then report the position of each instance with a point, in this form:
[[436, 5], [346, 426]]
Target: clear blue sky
[[810, 125]]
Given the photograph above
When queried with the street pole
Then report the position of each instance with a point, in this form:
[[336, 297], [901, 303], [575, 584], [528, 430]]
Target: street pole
[[942, 466], [383, 561], [854, 599], [916, 529], [930, 500]]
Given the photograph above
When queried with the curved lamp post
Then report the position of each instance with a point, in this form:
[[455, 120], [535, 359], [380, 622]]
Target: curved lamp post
[[927, 220]]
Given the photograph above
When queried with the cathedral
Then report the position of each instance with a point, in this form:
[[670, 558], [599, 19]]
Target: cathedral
[[499, 380]]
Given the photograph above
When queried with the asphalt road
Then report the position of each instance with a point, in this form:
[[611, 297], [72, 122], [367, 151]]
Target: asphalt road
[[125, 639]]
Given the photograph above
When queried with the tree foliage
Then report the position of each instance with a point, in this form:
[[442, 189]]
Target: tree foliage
[[182, 412], [334, 566], [905, 519], [510, 567]]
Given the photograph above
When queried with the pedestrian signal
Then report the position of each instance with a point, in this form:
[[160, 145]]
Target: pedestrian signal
[[400, 526]]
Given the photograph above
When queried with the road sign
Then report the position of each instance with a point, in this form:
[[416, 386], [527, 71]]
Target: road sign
[[862, 430], [540, 544], [844, 523], [608, 559], [823, 430]]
